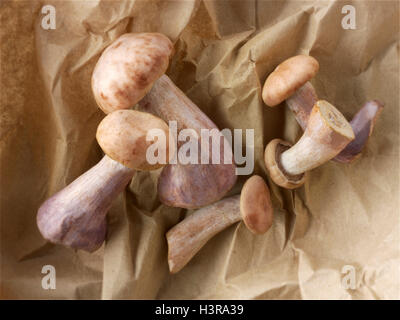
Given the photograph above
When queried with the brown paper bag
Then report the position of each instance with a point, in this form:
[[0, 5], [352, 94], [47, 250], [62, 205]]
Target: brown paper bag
[[336, 238]]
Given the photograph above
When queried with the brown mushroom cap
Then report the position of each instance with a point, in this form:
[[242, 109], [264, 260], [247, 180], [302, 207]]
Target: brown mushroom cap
[[128, 68], [122, 136], [276, 172], [255, 205], [290, 75]]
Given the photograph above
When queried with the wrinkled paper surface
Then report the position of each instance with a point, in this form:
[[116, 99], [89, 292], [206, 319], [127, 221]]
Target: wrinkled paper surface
[[344, 221]]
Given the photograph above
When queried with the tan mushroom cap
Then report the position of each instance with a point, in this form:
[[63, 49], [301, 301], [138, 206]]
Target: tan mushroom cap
[[127, 69], [255, 205], [276, 172], [122, 136], [289, 76]]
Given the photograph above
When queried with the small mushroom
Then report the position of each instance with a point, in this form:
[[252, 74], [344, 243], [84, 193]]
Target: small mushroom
[[130, 71], [326, 135], [75, 216], [289, 76], [253, 206], [290, 82]]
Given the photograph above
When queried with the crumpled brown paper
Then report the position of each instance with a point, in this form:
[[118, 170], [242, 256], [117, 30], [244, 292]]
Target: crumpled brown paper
[[346, 216]]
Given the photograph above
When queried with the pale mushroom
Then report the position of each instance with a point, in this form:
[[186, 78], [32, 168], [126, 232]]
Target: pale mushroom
[[75, 216], [290, 82], [253, 207], [326, 135], [130, 71]]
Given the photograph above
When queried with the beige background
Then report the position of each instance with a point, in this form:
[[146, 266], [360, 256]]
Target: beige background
[[344, 215]]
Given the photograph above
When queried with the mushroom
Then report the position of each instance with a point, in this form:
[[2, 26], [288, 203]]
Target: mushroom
[[302, 101], [253, 206], [75, 216], [290, 82], [326, 135], [127, 69], [287, 77], [130, 71]]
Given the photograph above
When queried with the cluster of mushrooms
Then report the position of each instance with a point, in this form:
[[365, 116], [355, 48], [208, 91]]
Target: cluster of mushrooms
[[131, 73]]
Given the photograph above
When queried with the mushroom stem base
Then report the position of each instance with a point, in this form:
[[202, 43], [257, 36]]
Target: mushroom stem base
[[190, 235], [326, 135], [75, 216]]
